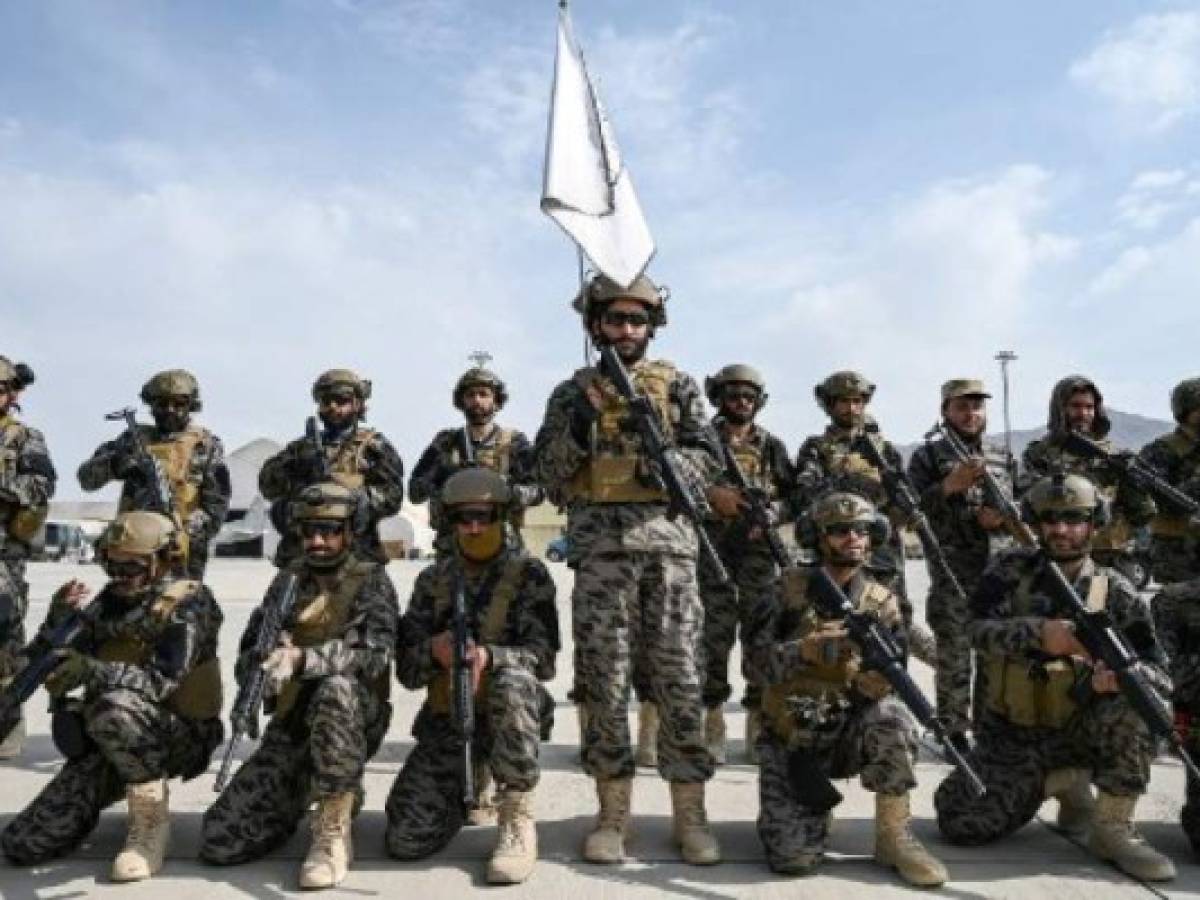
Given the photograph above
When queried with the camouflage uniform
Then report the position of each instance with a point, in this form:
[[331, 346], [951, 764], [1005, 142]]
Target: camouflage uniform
[[856, 735], [1131, 508], [752, 570], [635, 568], [327, 722], [193, 461], [359, 458], [151, 710], [1030, 725], [1177, 620], [967, 548], [511, 611], [1175, 547]]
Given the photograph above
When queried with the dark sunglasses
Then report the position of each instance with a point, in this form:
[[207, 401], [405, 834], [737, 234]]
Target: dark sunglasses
[[336, 399], [841, 529], [126, 568], [473, 516], [616, 318], [1065, 517], [324, 529], [734, 394]]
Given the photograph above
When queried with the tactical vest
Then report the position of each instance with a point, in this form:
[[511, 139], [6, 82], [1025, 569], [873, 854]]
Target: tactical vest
[[1166, 525], [820, 682], [495, 455], [198, 696], [838, 460], [751, 459], [21, 523], [347, 460], [1037, 695], [322, 617], [493, 621], [611, 473]]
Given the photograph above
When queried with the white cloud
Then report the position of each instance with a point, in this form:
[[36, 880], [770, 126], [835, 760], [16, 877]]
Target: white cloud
[[1118, 276], [1154, 196], [1150, 70]]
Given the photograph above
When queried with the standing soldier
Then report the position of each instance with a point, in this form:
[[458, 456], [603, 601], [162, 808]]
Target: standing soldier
[[1037, 735], [512, 623], [635, 565], [824, 716], [970, 532], [151, 706], [342, 450], [1176, 540], [1076, 405], [26, 485], [327, 688], [831, 462], [739, 392], [191, 459], [479, 395]]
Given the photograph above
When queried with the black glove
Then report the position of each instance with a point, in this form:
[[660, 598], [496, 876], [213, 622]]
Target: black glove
[[583, 413]]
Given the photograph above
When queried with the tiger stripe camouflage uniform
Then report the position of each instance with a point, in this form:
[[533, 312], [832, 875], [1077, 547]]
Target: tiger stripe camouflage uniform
[[326, 723], [1175, 542], [511, 611], [151, 709]]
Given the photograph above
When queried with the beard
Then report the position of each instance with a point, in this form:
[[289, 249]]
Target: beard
[[737, 415], [336, 424], [477, 415], [170, 422], [631, 350]]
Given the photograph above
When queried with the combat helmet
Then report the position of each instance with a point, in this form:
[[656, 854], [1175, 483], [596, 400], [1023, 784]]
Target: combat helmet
[[138, 533], [18, 375], [735, 373], [843, 384], [600, 290], [479, 376], [332, 379], [328, 501], [1185, 397], [845, 508], [475, 485], [172, 383], [1065, 491]]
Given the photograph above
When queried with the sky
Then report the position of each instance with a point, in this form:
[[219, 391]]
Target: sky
[[258, 192]]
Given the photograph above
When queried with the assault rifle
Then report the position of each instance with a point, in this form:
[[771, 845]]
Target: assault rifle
[[757, 514], [243, 718], [880, 654], [1134, 471], [468, 448], [683, 498], [43, 659], [903, 496], [462, 688], [312, 434]]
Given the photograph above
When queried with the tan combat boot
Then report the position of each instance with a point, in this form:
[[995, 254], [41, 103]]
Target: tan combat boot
[[331, 850], [647, 745], [606, 843], [1114, 838], [895, 845], [485, 810], [697, 843], [149, 831], [753, 730], [1072, 788], [714, 734], [516, 846]]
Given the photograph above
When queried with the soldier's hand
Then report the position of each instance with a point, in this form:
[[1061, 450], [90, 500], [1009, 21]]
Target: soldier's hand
[[962, 477], [480, 660], [871, 685], [1058, 638], [197, 521], [825, 646], [1104, 679], [125, 464], [71, 595], [285, 663], [584, 411], [441, 647], [990, 519], [727, 502], [74, 670]]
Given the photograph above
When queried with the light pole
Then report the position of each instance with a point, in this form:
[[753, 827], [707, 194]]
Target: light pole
[[1004, 357]]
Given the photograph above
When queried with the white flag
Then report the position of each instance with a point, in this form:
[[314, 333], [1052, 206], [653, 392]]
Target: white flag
[[586, 188]]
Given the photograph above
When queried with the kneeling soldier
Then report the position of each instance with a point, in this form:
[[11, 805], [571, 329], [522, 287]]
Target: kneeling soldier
[[513, 639], [327, 684], [1054, 721], [151, 703], [826, 717]]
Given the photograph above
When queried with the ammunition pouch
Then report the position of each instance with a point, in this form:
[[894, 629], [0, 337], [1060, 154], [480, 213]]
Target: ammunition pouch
[[1033, 694], [615, 479], [68, 729]]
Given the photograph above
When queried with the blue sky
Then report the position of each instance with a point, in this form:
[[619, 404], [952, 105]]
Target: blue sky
[[260, 191]]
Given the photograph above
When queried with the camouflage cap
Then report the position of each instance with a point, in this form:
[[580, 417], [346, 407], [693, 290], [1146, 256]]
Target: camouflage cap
[[172, 383], [481, 377], [475, 485], [331, 379], [963, 387], [842, 508], [1185, 397], [843, 384], [601, 290], [1064, 492], [329, 500], [137, 534]]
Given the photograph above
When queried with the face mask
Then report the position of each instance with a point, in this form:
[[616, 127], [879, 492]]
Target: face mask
[[484, 545]]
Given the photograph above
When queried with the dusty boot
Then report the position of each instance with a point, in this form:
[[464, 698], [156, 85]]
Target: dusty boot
[[606, 843], [516, 847], [714, 734], [647, 746], [753, 730], [896, 846], [331, 850], [1072, 788], [1114, 838], [697, 843], [11, 746], [149, 831], [485, 811]]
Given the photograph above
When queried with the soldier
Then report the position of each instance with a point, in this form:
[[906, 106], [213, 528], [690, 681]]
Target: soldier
[[327, 689], [824, 715], [970, 532], [479, 395], [346, 452], [191, 458], [739, 392], [151, 704], [1035, 738], [1077, 405], [513, 627], [27, 481], [635, 566], [1175, 545], [830, 462]]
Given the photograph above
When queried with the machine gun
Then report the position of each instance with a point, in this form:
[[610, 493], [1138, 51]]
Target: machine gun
[[243, 718], [757, 514], [683, 498], [462, 689], [468, 448], [880, 654], [312, 434], [995, 495], [1134, 471]]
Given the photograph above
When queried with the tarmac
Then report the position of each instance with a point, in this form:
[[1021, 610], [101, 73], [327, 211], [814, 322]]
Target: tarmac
[[1035, 862]]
